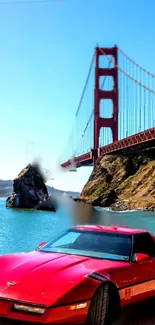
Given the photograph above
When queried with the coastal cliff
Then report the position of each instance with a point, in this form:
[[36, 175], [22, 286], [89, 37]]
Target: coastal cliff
[[30, 191], [122, 183]]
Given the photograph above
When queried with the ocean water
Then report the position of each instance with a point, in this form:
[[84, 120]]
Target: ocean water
[[23, 230]]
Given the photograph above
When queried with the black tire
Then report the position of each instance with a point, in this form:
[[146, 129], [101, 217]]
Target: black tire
[[99, 306]]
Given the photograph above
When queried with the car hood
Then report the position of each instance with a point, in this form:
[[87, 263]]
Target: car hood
[[43, 278]]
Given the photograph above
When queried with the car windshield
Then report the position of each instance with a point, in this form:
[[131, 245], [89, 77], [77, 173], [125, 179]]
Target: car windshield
[[95, 244]]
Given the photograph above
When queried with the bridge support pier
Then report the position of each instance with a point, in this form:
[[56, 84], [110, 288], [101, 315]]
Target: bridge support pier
[[100, 122]]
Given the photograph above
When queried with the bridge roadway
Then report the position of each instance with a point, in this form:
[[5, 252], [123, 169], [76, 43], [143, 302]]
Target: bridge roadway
[[141, 314], [139, 142]]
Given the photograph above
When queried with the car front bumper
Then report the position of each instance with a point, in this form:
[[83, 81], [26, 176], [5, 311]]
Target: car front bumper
[[75, 313]]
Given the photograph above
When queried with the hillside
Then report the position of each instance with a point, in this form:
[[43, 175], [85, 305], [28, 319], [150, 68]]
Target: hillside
[[6, 188], [121, 183], [54, 191]]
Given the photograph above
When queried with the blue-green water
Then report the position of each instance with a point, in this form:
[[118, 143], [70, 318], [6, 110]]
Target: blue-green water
[[22, 230]]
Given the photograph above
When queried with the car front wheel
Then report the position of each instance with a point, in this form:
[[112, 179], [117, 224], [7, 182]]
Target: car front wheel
[[99, 306]]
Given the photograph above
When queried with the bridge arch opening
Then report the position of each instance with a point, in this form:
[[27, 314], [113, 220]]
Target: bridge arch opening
[[106, 83], [106, 61], [106, 108], [105, 137]]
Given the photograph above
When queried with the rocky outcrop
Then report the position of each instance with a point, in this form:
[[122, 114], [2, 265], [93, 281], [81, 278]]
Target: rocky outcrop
[[122, 183], [30, 191]]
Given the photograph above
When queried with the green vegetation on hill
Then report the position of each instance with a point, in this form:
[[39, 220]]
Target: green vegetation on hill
[[122, 182]]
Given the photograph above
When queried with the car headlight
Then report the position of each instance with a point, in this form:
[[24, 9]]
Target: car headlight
[[29, 309]]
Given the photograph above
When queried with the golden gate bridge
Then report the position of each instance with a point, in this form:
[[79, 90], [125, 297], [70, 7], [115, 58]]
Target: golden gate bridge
[[116, 111]]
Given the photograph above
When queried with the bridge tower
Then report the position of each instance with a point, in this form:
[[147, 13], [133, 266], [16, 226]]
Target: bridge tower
[[101, 122]]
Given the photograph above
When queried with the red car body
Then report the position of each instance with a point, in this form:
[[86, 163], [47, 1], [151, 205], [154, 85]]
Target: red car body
[[52, 287]]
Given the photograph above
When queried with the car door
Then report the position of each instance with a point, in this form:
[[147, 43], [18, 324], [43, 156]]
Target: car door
[[137, 279], [144, 283]]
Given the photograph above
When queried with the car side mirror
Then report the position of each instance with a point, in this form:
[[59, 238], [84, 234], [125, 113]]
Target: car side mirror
[[139, 257], [41, 244]]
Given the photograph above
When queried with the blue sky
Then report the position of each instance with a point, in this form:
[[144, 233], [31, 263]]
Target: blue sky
[[45, 52]]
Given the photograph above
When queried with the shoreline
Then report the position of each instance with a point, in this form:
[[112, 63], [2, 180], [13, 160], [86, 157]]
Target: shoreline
[[122, 204]]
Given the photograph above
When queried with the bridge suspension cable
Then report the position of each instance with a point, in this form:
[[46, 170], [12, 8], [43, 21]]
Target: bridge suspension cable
[[92, 112], [138, 66], [86, 83], [128, 75], [81, 118], [27, 2]]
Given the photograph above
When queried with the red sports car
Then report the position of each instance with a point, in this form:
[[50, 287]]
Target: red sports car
[[84, 275]]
